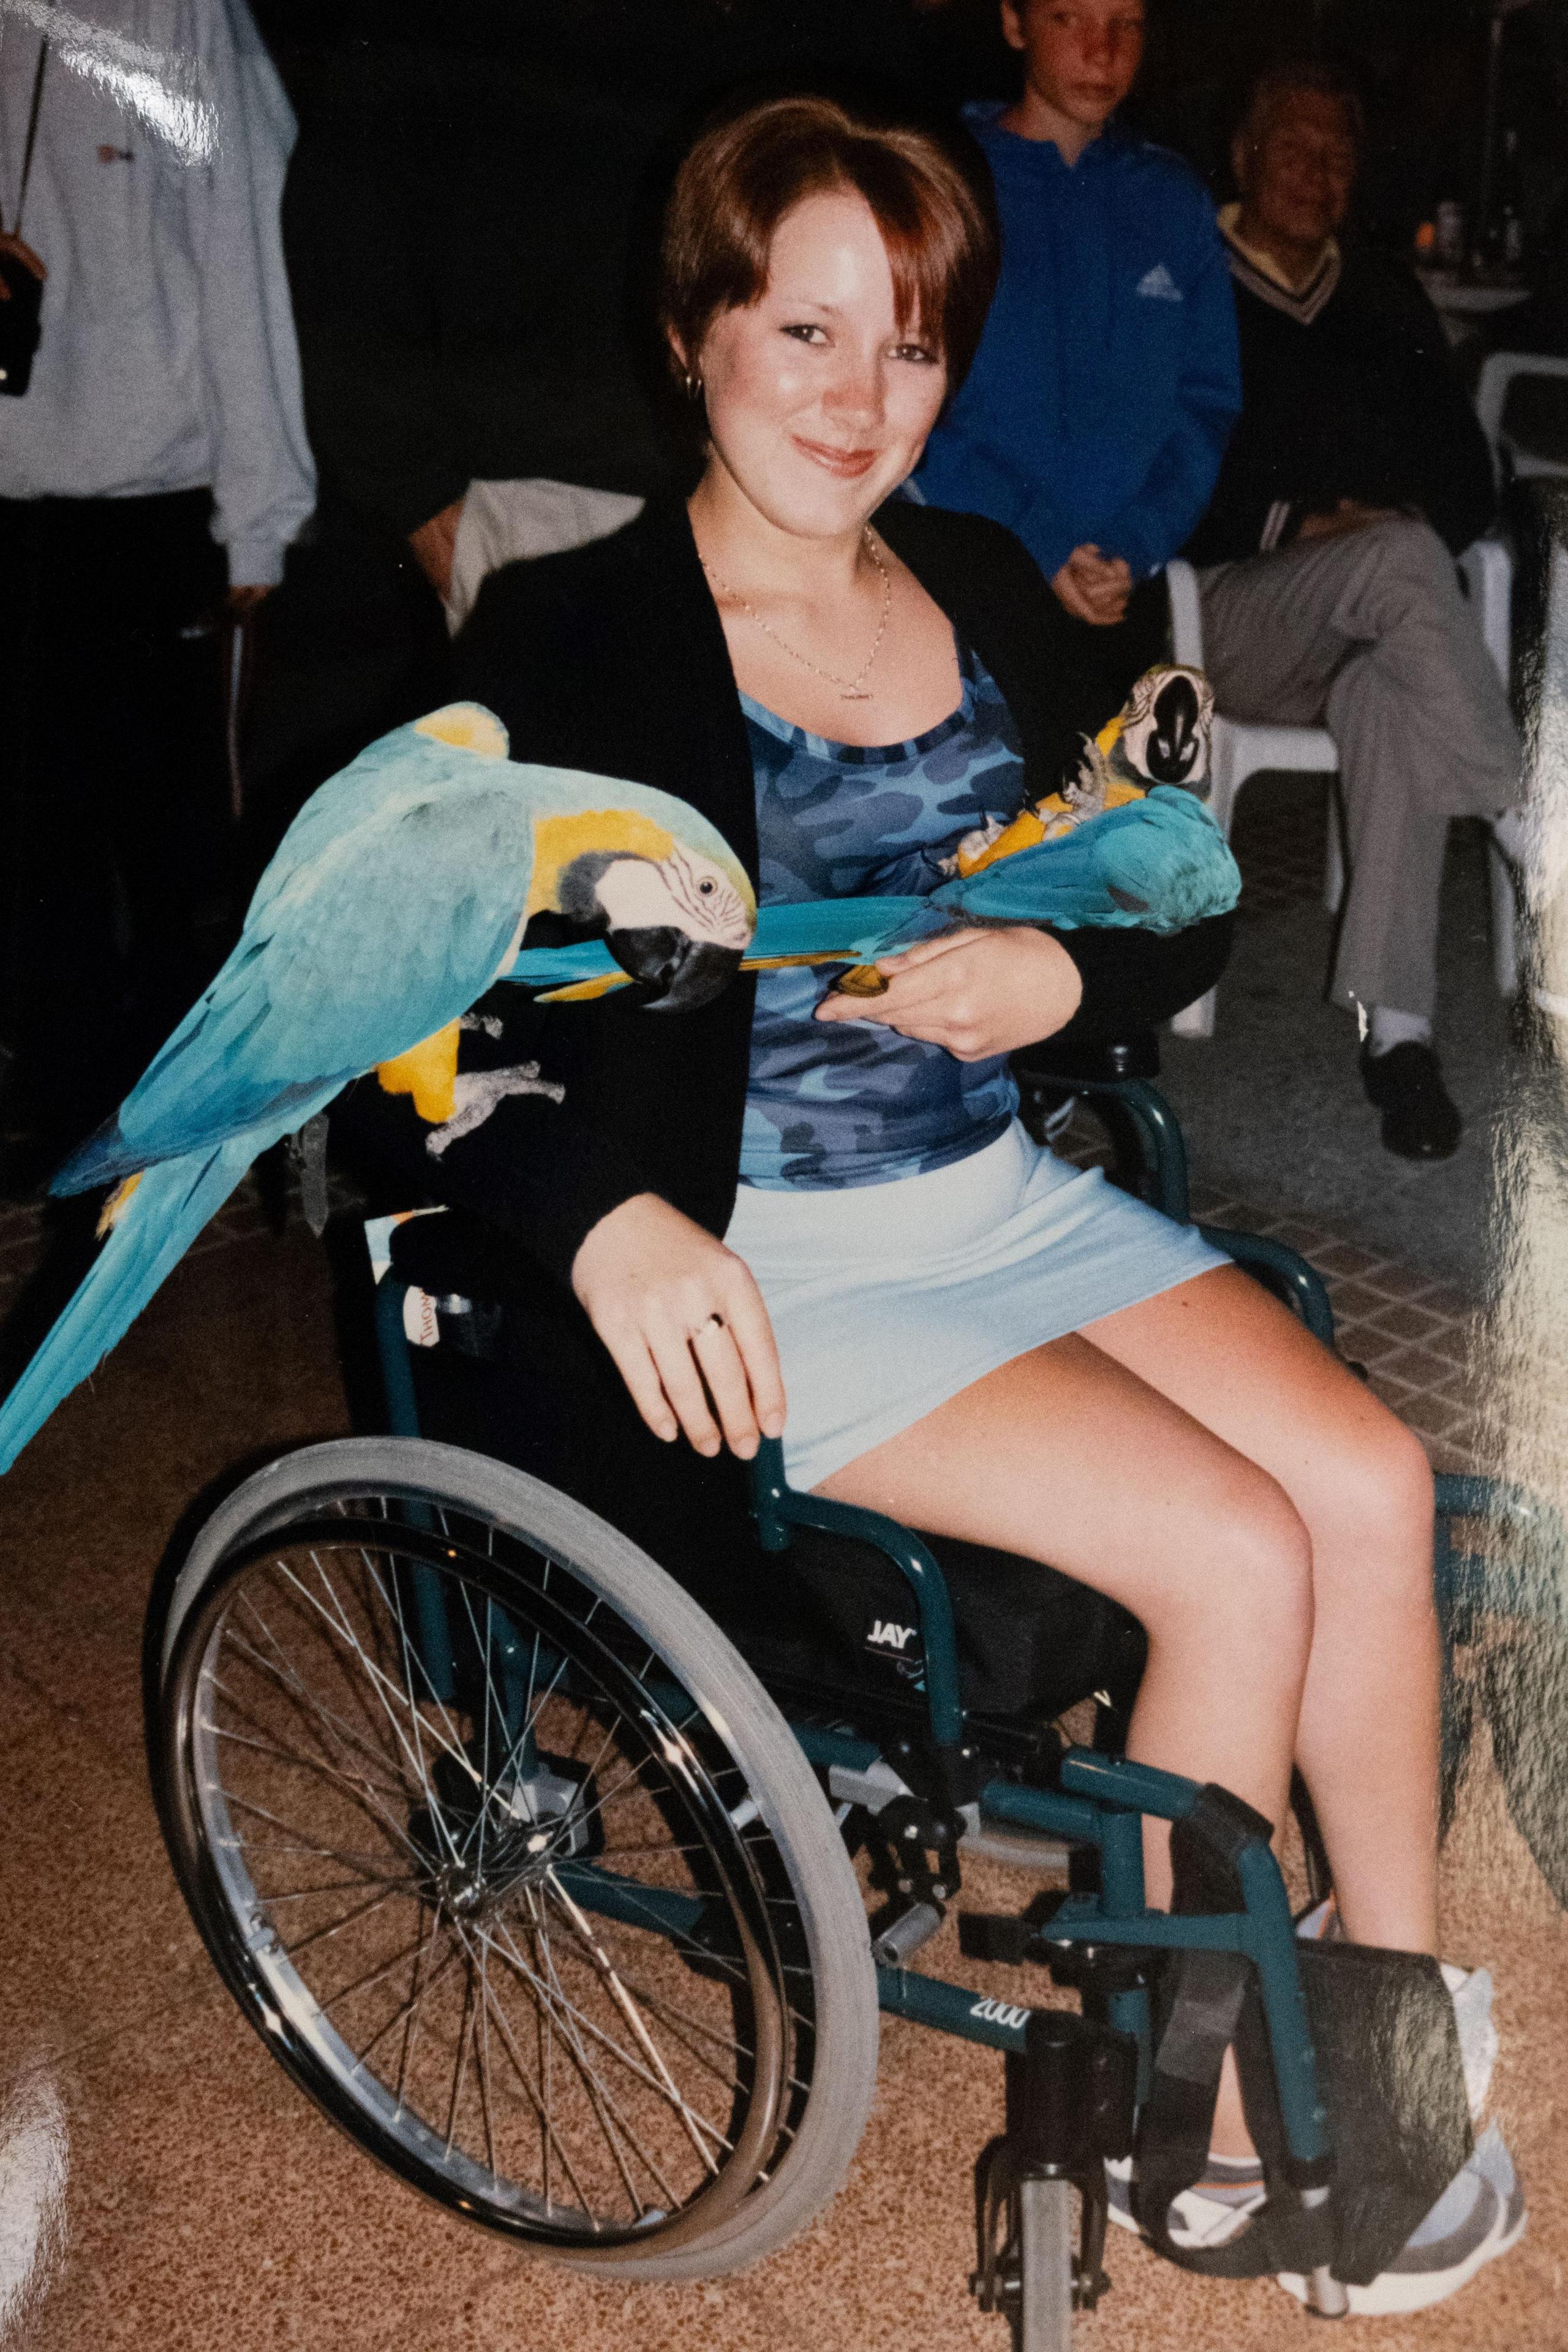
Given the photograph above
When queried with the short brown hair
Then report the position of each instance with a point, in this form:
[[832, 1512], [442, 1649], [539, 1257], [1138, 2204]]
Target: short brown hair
[[745, 173], [1280, 81]]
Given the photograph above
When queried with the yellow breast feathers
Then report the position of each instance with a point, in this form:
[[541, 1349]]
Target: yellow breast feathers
[[428, 1072]]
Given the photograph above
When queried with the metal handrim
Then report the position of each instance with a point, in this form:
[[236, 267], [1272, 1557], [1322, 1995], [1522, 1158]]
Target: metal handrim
[[548, 1919]]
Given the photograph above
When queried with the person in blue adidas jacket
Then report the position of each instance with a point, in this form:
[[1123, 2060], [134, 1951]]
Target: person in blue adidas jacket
[[1094, 419]]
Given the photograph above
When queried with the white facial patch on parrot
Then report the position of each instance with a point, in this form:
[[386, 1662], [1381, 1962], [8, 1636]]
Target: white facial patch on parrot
[[684, 892], [1166, 726]]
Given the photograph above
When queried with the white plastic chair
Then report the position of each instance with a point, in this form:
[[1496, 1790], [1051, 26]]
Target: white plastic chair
[[1243, 748], [1499, 373], [1240, 750]]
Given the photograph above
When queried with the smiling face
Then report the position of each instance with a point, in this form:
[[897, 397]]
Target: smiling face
[[819, 397], [1081, 56]]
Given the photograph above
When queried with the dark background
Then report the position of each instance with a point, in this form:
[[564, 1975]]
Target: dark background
[[475, 179], [1421, 64]]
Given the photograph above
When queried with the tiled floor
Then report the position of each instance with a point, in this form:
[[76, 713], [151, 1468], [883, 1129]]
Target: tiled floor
[[209, 2205]]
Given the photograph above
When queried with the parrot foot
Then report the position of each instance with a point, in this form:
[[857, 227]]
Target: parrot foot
[[477, 1095], [861, 980]]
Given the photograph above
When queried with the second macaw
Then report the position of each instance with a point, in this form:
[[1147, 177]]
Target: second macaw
[[398, 896]]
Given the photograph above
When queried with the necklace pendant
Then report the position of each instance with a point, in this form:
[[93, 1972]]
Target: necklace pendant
[[855, 694]]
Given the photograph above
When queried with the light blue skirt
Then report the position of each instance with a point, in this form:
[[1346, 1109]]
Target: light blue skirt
[[887, 1299]]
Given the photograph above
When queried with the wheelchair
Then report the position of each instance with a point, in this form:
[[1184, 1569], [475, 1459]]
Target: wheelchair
[[578, 1909]]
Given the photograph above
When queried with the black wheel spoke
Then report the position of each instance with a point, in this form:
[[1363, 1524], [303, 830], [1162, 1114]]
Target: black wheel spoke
[[552, 1987]]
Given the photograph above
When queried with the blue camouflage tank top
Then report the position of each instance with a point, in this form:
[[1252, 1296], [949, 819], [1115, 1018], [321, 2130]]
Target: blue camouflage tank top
[[838, 1103]]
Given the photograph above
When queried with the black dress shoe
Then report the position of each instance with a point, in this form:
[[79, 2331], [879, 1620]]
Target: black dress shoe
[[1419, 1117]]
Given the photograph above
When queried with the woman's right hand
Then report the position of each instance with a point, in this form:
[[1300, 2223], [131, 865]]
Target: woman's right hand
[[685, 1322]]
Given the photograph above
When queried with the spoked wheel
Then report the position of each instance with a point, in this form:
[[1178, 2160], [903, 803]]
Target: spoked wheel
[[512, 1861]]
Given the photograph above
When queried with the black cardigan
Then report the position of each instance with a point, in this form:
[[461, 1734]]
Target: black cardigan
[[613, 658], [1362, 400]]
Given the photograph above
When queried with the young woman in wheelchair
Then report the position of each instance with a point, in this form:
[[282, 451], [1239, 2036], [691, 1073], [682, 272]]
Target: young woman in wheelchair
[[804, 1214]]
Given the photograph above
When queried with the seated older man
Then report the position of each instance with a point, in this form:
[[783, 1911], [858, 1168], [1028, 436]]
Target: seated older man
[[1357, 472]]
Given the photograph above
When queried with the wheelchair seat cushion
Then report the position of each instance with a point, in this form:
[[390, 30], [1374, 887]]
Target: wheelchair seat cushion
[[1031, 1642]]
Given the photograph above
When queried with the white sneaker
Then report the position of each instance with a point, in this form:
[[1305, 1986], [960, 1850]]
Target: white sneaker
[[1205, 2215], [1471, 1993], [1480, 2216]]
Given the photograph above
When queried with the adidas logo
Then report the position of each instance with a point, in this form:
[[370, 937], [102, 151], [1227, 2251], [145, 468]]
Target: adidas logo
[[885, 1635], [1159, 286]]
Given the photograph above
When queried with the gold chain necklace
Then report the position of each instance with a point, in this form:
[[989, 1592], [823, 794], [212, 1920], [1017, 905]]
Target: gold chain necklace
[[853, 689]]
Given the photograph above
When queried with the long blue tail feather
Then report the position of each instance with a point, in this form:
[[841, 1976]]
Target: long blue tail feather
[[158, 1225]]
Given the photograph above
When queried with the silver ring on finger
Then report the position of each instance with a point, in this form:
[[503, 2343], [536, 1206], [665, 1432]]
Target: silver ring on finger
[[701, 1330]]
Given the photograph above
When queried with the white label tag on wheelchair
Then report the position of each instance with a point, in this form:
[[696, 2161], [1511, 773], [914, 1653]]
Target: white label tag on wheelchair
[[420, 1326]]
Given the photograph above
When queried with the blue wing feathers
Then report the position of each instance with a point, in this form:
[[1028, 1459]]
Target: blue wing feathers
[[384, 917], [340, 965], [163, 1216], [1160, 863]]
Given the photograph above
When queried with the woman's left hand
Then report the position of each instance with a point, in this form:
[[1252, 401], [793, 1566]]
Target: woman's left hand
[[976, 992]]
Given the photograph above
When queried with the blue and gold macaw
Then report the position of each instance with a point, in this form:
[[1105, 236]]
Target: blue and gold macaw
[[402, 891], [398, 896], [1125, 841]]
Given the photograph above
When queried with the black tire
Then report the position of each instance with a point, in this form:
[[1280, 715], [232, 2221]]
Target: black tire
[[496, 1794]]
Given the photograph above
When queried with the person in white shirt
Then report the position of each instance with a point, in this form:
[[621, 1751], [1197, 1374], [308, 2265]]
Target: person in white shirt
[[155, 467]]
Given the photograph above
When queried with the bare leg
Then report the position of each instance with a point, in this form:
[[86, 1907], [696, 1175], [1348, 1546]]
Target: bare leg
[[1065, 1456], [1367, 1732], [1203, 1461]]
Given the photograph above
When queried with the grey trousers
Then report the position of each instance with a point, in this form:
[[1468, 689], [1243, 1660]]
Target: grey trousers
[[1370, 635]]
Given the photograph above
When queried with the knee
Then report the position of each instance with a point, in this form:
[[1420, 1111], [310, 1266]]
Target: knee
[[1248, 1581], [1410, 563], [1372, 1517]]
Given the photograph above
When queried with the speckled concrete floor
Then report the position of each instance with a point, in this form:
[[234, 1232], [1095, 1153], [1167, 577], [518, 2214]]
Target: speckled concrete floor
[[209, 2206]]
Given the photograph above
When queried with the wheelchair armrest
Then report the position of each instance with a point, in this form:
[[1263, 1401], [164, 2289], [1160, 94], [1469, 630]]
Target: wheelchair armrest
[[777, 1507], [1093, 1061], [1295, 1282]]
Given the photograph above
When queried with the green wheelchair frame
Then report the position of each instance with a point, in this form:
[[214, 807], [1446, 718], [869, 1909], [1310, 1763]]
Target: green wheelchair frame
[[1103, 1940], [1075, 2082]]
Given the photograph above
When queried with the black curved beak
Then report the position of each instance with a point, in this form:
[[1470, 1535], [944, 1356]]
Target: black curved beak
[[682, 973]]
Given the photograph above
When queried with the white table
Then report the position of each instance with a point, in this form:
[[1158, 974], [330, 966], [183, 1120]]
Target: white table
[[1463, 302]]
